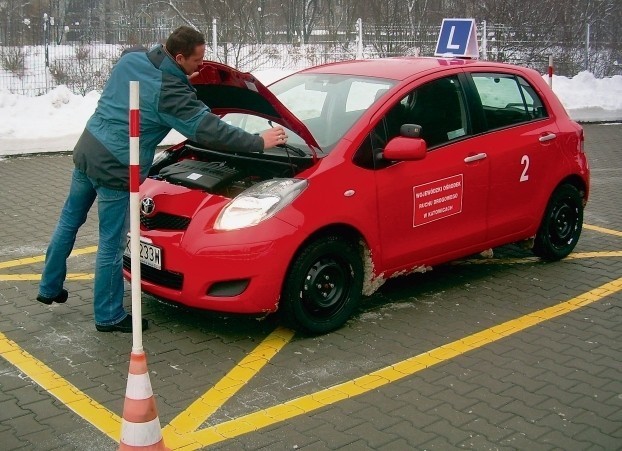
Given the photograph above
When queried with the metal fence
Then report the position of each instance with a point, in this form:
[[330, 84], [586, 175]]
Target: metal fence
[[82, 59]]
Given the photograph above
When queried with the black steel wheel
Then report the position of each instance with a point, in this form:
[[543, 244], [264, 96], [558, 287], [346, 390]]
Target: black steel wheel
[[561, 226], [323, 285]]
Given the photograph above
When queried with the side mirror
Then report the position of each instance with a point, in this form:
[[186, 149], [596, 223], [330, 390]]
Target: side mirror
[[402, 148]]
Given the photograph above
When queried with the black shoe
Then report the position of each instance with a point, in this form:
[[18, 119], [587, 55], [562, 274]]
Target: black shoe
[[125, 326], [59, 299]]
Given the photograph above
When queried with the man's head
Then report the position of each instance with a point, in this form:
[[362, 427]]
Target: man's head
[[187, 46]]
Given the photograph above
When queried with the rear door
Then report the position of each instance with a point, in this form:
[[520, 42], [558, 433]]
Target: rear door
[[520, 140]]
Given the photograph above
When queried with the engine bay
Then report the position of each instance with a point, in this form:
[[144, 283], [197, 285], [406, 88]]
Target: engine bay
[[224, 173]]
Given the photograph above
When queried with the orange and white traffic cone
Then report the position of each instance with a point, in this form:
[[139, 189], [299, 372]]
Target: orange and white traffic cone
[[140, 428]]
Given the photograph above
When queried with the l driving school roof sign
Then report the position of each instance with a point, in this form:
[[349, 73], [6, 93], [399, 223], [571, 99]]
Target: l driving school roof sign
[[457, 38]]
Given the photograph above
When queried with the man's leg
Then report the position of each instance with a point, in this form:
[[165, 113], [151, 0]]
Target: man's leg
[[79, 200], [113, 212]]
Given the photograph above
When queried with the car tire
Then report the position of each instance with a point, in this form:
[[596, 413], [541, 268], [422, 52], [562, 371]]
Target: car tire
[[323, 285], [561, 226]]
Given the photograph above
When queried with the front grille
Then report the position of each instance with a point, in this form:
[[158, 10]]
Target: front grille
[[164, 221], [168, 279]]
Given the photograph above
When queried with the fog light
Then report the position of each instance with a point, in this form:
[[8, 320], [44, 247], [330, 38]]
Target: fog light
[[228, 288]]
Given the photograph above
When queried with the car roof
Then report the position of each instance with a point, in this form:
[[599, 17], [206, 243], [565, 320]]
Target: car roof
[[399, 68]]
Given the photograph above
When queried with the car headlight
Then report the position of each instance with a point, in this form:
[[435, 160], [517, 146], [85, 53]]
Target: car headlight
[[259, 203]]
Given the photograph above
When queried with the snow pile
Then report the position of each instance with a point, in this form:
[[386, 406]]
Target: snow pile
[[57, 113], [53, 122], [590, 99]]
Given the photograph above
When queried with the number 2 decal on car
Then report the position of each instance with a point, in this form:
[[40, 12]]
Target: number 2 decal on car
[[524, 161]]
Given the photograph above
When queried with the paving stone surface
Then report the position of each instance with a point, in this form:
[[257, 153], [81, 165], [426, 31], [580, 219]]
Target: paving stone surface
[[555, 385]]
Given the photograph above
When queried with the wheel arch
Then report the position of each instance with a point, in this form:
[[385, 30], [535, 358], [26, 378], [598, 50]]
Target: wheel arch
[[573, 179], [578, 182], [348, 232], [562, 220]]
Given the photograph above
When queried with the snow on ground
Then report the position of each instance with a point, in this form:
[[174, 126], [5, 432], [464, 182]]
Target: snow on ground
[[53, 122]]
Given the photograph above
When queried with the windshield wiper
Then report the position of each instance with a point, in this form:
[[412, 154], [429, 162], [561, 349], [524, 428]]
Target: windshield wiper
[[296, 150]]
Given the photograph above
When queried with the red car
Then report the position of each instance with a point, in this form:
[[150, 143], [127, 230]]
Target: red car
[[392, 166]]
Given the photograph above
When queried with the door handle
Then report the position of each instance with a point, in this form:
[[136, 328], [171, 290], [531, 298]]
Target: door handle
[[547, 137], [477, 157]]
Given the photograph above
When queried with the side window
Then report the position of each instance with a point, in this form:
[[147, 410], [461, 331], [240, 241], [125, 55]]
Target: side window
[[387, 128], [439, 108], [507, 100], [535, 107]]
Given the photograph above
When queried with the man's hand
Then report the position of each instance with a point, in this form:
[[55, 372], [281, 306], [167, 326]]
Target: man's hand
[[273, 137]]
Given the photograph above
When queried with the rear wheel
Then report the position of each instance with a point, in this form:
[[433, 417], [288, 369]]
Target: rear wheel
[[561, 225], [323, 285]]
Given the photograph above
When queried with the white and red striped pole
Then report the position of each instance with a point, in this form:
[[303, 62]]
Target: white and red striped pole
[[137, 325], [140, 427], [551, 71]]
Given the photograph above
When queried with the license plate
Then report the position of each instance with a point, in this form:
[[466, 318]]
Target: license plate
[[150, 255]]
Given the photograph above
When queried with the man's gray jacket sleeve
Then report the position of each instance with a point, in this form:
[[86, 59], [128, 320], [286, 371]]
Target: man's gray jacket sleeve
[[182, 110]]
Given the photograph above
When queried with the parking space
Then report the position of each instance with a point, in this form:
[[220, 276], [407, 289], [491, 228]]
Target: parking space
[[505, 352]]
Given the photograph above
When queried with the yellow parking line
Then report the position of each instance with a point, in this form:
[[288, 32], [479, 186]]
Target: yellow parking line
[[474, 261], [524, 260], [182, 432], [602, 230], [176, 434], [84, 406], [305, 404], [594, 254], [41, 258], [200, 410], [91, 249], [22, 277]]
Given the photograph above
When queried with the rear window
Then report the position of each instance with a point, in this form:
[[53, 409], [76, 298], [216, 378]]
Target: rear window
[[507, 100]]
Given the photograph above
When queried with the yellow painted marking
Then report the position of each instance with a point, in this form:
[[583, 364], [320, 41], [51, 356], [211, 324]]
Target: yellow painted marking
[[523, 260], [602, 230], [482, 261], [84, 406], [36, 277], [41, 258], [597, 254], [234, 380], [363, 384], [181, 434]]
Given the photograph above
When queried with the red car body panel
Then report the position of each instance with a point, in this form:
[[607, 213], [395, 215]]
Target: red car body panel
[[378, 206]]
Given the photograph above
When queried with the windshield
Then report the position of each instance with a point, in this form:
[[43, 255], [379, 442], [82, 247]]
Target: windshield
[[328, 105]]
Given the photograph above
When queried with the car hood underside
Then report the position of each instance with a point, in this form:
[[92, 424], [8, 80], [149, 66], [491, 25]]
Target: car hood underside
[[226, 90]]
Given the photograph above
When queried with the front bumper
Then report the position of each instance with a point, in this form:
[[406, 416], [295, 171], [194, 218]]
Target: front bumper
[[239, 271]]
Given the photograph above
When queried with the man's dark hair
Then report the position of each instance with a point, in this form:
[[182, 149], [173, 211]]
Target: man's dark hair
[[184, 40]]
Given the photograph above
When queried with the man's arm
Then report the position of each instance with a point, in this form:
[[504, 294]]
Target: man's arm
[[181, 109]]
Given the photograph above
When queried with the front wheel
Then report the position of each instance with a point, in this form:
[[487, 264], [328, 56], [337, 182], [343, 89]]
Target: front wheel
[[323, 285], [561, 225]]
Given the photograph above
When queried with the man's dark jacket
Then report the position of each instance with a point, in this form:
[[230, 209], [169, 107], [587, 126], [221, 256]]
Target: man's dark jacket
[[167, 101]]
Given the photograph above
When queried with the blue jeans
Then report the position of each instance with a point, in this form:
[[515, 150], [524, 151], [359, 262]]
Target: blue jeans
[[113, 208]]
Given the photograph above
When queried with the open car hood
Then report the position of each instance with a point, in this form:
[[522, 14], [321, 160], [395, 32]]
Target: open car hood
[[226, 90]]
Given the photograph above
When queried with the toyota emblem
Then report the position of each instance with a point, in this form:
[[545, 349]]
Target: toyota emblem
[[147, 206]]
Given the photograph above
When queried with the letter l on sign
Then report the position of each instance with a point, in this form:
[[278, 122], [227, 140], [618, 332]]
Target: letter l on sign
[[451, 38]]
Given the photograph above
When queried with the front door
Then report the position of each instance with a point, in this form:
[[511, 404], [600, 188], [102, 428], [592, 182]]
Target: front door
[[434, 208]]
